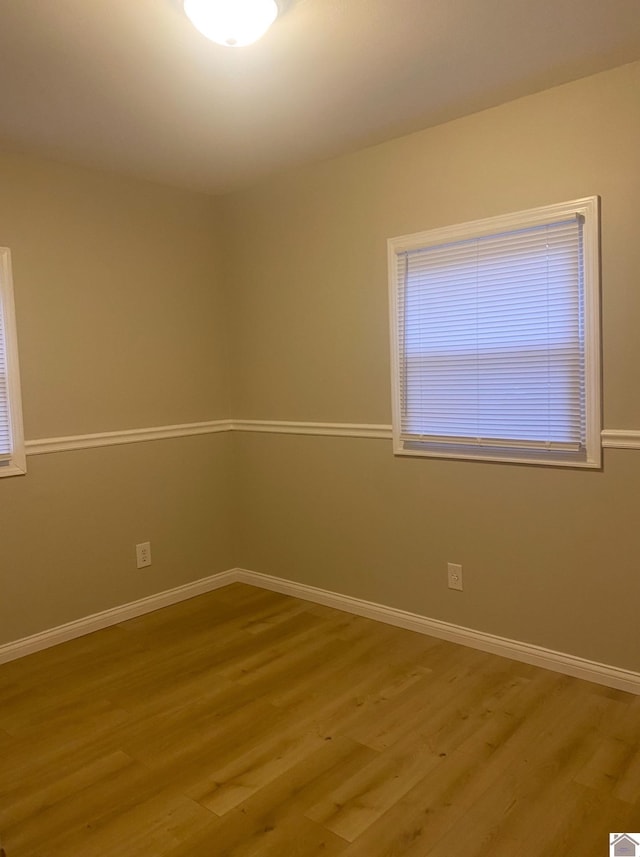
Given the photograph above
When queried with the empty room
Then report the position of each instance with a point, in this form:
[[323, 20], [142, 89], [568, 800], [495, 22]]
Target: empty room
[[319, 428]]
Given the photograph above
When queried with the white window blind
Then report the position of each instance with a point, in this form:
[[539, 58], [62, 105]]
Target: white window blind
[[491, 339], [5, 423], [12, 454]]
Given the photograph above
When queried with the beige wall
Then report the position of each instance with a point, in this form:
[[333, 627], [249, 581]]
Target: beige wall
[[120, 325], [125, 292], [550, 556], [119, 301], [70, 526]]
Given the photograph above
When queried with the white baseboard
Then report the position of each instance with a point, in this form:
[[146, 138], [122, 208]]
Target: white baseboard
[[610, 676], [604, 674], [97, 621]]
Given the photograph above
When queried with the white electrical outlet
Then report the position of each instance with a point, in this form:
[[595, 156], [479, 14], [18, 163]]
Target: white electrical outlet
[[454, 575], [143, 554]]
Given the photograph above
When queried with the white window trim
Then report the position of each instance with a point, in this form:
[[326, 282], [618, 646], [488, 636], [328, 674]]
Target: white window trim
[[588, 208], [17, 463]]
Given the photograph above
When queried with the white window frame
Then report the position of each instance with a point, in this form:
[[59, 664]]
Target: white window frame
[[586, 208], [16, 464]]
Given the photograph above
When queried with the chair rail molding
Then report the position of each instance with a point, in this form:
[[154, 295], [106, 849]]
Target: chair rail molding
[[611, 438], [46, 445], [621, 439]]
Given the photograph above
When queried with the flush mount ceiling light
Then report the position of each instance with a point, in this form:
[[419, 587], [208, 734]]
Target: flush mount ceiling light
[[233, 23]]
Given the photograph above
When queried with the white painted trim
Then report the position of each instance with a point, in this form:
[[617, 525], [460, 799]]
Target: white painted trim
[[494, 225], [429, 447], [114, 438], [18, 461], [590, 210], [621, 439], [97, 621], [318, 429], [526, 652], [611, 438]]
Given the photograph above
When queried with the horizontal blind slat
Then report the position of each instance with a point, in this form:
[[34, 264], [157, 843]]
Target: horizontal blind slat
[[491, 338], [5, 422]]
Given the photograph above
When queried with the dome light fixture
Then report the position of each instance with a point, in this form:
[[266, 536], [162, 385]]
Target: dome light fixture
[[232, 23]]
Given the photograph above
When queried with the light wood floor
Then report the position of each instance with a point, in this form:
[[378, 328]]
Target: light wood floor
[[246, 723]]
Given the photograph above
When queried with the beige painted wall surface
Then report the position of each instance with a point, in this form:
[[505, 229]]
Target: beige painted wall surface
[[309, 248], [69, 528], [120, 325], [551, 556], [119, 302], [123, 300]]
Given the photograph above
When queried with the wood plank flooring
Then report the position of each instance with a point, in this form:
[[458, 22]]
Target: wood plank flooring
[[248, 724]]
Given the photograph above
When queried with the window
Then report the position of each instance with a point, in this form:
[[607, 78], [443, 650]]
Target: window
[[12, 456], [495, 338]]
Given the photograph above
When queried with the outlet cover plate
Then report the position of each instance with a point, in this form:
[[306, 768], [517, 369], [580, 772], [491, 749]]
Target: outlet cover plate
[[143, 554], [454, 576]]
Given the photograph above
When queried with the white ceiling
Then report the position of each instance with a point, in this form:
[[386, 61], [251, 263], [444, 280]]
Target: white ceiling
[[129, 85]]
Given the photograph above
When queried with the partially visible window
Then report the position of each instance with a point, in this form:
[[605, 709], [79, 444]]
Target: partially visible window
[[495, 338], [12, 455]]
